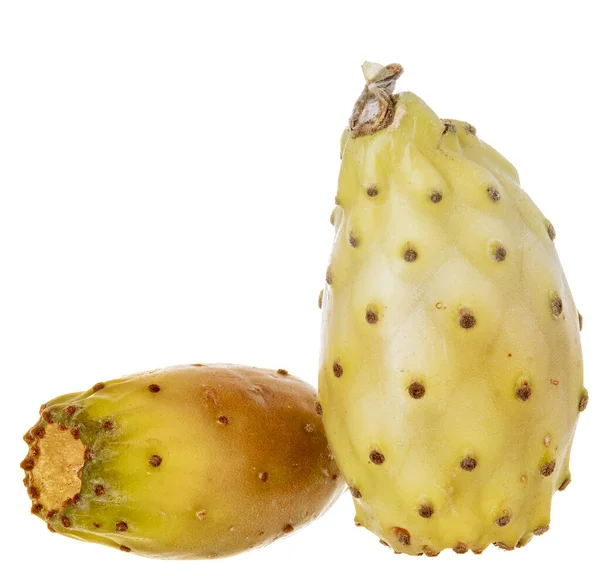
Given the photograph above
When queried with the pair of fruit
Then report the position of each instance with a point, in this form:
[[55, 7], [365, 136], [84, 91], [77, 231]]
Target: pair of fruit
[[450, 382]]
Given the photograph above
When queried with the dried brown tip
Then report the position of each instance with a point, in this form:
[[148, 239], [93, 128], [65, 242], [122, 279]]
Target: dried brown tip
[[29, 438], [372, 191], [47, 416], [416, 390], [503, 546], [288, 528], [430, 552], [98, 387], [468, 464], [541, 530], [551, 231], [69, 410], [36, 508], [580, 318], [320, 299], [466, 320], [121, 527], [50, 528], [125, 548], [402, 535], [461, 548], [548, 468], [375, 108], [376, 457], [282, 372], [470, 129], [65, 521]]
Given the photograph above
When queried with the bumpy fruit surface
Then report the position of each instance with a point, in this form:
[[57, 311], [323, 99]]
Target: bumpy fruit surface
[[451, 374], [187, 462]]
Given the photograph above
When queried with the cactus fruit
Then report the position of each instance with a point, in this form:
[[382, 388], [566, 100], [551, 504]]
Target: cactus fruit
[[451, 374], [186, 462]]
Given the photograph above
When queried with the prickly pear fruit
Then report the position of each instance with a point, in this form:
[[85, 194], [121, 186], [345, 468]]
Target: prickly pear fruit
[[186, 462], [451, 374]]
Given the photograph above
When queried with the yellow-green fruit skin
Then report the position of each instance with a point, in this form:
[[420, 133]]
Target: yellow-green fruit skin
[[451, 373], [195, 461]]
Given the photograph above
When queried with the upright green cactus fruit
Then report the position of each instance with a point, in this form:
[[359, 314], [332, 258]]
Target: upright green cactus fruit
[[451, 374], [187, 462]]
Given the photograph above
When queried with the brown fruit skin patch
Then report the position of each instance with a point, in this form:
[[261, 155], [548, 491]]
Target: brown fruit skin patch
[[583, 402], [410, 255], [355, 492], [69, 411], [416, 390], [98, 387], [556, 306], [466, 319], [426, 511], [541, 530], [468, 464], [504, 520], [523, 392], [338, 371], [288, 528], [499, 254], [376, 457], [372, 192], [155, 461], [436, 197], [548, 468], [493, 194], [371, 316], [402, 535], [551, 231], [266, 433], [564, 484], [154, 388]]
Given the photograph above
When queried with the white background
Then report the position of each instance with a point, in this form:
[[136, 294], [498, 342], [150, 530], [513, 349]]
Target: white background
[[167, 172]]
